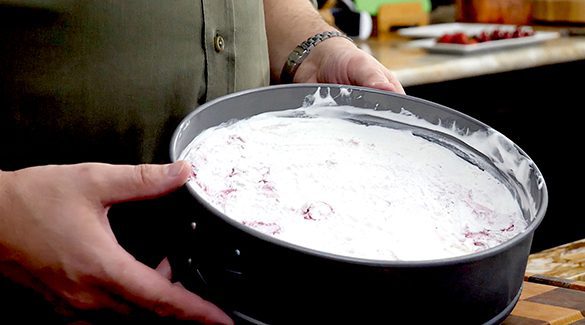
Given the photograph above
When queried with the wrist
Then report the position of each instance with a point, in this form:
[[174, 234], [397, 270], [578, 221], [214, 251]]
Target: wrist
[[311, 50], [319, 58]]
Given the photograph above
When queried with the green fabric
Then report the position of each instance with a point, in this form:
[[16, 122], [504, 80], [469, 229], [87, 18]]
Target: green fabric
[[109, 80], [371, 6]]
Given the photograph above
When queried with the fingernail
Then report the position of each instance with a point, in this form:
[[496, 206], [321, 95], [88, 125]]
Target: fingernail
[[175, 169]]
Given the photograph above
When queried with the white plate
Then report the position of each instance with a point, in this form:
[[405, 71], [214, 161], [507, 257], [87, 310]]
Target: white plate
[[431, 45], [432, 31]]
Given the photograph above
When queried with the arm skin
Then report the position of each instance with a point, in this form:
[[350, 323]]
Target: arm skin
[[55, 238], [336, 60]]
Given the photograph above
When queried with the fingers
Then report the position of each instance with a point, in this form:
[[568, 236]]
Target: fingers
[[117, 183], [359, 68], [377, 77], [150, 290]]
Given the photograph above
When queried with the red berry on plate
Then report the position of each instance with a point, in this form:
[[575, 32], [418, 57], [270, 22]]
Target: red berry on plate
[[483, 37], [460, 38], [445, 38]]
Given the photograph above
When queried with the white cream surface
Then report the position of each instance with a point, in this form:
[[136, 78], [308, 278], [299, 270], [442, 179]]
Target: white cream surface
[[329, 184]]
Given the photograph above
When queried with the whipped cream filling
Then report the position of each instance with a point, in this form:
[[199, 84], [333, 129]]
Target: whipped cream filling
[[315, 179]]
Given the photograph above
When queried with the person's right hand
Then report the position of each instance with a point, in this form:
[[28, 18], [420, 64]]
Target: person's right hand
[[56, 238]]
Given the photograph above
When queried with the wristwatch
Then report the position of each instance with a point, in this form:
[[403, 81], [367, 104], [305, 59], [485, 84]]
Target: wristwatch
[[298, 55]]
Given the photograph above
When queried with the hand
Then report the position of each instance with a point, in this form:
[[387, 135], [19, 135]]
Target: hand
[[339, 61], [55, 237]]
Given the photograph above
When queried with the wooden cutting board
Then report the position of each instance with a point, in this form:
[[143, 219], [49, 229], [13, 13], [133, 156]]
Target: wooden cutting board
[[553, 301], [569, 11]]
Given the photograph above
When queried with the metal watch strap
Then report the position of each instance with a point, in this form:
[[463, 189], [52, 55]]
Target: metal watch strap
[[296, 57]]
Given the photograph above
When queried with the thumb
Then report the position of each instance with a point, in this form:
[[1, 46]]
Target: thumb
[[375, 79], [120, 183], [375, 75]]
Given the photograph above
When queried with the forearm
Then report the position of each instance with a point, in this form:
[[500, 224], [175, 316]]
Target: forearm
[[288, 23]]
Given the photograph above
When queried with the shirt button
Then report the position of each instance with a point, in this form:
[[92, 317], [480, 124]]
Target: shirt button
[[218, 43]]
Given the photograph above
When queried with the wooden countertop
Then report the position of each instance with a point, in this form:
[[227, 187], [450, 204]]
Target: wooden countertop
[[415, 66], [563, 262]]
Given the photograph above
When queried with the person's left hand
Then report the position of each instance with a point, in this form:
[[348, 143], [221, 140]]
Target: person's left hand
[[339, 61]]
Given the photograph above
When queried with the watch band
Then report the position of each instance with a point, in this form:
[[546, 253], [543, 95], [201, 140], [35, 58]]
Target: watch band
[[296, 57]]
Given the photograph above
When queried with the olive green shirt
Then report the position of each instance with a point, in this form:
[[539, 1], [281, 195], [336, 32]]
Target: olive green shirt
[[109, 80]]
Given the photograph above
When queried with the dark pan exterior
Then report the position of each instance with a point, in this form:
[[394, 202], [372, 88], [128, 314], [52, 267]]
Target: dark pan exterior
[[263, 280]]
